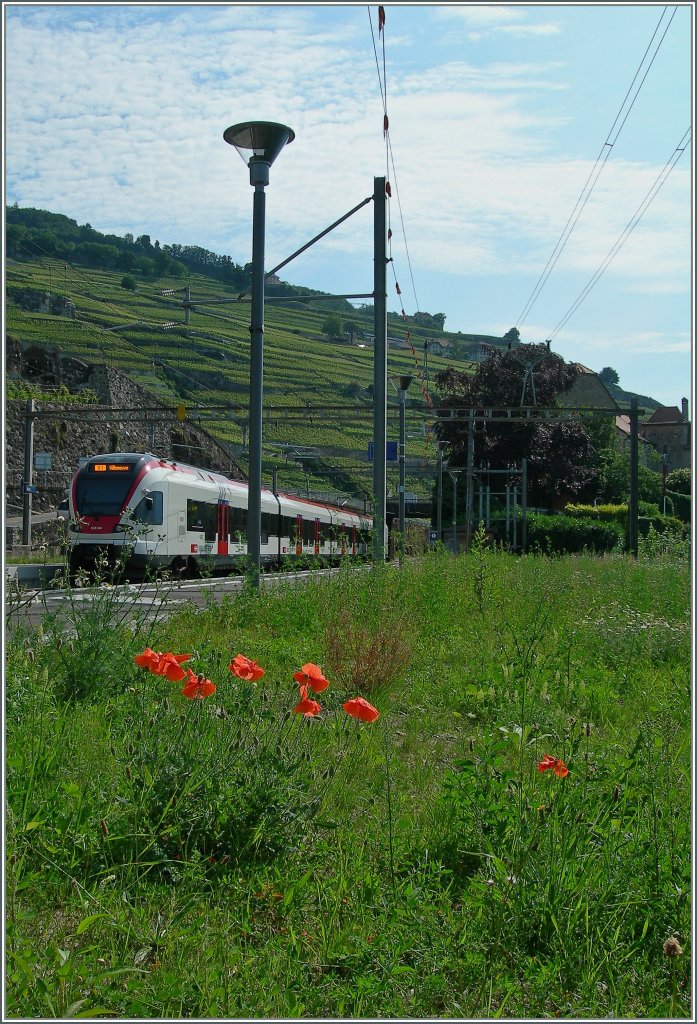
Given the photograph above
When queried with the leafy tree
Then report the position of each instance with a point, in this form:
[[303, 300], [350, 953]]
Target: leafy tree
[[128, 283], [439, 320], [609, 376], [562, 458], [614, 477], [512, 336], [332, 326], [680, 481], [350, 328]]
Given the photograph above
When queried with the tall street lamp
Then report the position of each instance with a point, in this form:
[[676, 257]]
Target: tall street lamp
[[258, 143], [454, 472]]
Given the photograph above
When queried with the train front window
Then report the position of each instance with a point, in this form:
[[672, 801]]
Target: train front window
[[103, 494]]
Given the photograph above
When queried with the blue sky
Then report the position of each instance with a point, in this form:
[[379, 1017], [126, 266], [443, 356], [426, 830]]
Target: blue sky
[[115, 115]]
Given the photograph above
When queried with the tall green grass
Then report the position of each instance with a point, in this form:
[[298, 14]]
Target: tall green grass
[[227, 858]]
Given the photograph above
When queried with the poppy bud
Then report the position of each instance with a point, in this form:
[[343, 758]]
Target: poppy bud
[[129, 773], [471, 745], [587, 728], [30, 656], [59, 643], [103, 826], [616, 794]]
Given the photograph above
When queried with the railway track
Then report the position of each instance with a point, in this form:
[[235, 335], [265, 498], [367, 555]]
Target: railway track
[[133, 602]]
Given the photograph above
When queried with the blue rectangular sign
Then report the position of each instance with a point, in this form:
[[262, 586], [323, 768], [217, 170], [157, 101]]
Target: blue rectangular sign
[[391, 451]]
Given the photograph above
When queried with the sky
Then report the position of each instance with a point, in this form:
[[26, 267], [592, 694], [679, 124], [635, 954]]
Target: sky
[[525, 148]]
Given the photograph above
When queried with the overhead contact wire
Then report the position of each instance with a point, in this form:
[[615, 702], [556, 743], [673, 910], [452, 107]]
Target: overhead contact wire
[[632, 223], [601, 159]]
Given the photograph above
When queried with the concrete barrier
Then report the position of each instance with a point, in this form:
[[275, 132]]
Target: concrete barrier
[[35, 575]]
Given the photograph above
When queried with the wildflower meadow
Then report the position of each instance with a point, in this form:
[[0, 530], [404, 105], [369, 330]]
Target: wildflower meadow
[[460, 788]]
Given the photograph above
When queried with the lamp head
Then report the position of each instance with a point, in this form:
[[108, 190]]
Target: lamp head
[[404, 382], [258, 143]]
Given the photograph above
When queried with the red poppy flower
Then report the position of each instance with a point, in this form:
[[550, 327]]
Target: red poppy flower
[[245, 668], [197, 688], [307, 707], [555, 763], [148, 659], [311, 675], [361, 709], [169, 666]]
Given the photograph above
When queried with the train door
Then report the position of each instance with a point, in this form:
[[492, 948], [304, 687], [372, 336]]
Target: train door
[[223, 527], [353, 540], [316, 536], [343, 538], [298, 535]]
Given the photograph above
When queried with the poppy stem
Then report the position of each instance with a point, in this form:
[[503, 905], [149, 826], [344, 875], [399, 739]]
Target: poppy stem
[[388, 778]]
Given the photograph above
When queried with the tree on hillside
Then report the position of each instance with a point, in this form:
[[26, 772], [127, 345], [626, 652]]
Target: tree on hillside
[[332, 326], [562, 458], [609, 376], [350, 328], [512, 336], [439, 320]]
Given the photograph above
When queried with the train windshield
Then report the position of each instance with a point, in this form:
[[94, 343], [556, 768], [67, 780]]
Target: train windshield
[[103, 487]]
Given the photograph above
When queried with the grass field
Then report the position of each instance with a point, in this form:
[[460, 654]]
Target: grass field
[[225, 857]]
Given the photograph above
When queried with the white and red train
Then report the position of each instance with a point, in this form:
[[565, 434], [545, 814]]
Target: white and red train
[[164, 514]]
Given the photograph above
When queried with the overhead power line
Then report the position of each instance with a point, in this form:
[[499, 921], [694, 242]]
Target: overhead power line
[[640, 211], [597, 168]]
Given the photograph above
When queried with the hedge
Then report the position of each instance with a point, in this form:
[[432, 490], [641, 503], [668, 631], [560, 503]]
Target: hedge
[[682, 505], [560, 534], [603, 513]]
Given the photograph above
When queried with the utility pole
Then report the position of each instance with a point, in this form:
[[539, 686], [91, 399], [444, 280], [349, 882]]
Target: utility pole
[[524, 502], [439, 501], [379, 367], [404, 382], [28, 483], [470, 487], [634, 477]]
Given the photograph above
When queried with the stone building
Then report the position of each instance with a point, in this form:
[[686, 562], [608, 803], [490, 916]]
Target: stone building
[[670, 432]]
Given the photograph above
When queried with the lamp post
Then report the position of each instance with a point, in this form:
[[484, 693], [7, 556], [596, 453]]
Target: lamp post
[[404, 380], [454, 472], [258, 143], [439, 501]]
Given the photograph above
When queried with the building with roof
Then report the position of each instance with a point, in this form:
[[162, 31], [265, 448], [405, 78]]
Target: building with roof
[[588, 391], [669, 431]]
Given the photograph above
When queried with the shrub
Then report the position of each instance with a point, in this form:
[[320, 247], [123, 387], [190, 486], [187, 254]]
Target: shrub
[[680, 481], [604, 513], [661, 524], [682, 504], [566, 534]]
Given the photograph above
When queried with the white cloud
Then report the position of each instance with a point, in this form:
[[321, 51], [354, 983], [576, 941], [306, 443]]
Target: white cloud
[[488, 21], [115, 116]]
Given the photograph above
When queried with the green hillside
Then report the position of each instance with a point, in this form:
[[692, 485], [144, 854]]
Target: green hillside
[[317, 389]]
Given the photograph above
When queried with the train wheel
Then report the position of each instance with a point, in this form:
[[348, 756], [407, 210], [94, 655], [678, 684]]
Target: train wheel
[[178, 568], [192, 569]]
